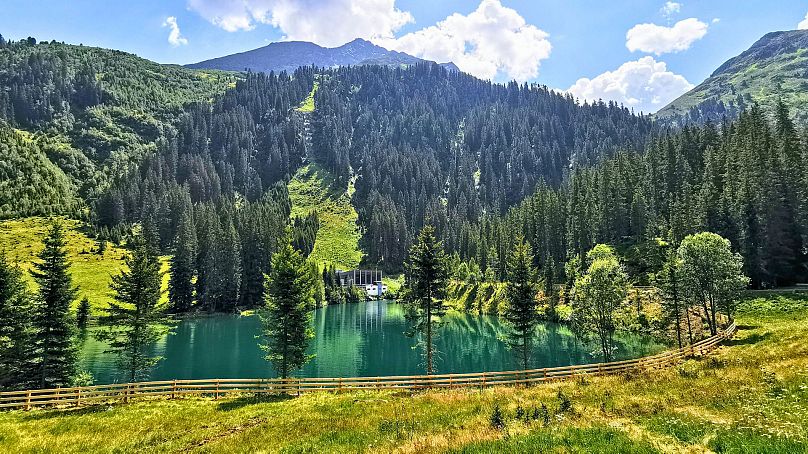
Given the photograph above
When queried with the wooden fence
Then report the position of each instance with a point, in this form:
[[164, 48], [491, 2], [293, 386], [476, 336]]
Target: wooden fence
[[217, 388]]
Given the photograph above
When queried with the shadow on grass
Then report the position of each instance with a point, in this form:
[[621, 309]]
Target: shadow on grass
[[747, 327], [246, 401], [40, 414], [749, 340]]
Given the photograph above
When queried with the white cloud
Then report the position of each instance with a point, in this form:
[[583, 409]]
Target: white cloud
[[803, 25], [716, 20], [657, 39], [174, 36], [645, 85], [490, 41], [670, 8], [325, 22]]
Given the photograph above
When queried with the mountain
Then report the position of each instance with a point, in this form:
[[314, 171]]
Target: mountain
[[776, 66], [290, 55]]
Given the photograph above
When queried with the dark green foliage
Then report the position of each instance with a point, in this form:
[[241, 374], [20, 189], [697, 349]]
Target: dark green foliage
[[286, 317], [183, 266], [16, 368], [30, 184], [83, 314], [424, 290], [135, 321], [304, 231], [522, 311], [550, 293], [54, 350]]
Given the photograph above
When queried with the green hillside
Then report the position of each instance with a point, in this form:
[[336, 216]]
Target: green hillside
[[314, 189], [92, 271], [775, 67], [30, 184], [93, 111]]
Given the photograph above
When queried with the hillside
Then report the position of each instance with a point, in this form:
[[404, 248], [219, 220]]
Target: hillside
[[95, 111], [91, 269], [290, 55], [749, 396], [776, 66]]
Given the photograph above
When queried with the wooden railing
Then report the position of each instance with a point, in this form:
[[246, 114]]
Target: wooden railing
[[217, 388]]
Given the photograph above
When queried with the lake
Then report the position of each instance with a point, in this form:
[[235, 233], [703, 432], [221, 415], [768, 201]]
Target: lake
[[351, 340]]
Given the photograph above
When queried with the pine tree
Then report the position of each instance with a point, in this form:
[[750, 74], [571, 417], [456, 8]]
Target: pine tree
[[83, 314], [135, 320], [673, 301], [550, 293], [16, 368], [54, 328], [286, 317], [522, 311], [183, 264], [425, 289]]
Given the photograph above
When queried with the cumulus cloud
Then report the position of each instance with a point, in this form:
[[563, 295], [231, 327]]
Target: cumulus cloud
[[657, 39], [174, 36], [491, 41], [325, 22], [645, 85], [803, 25], [670, 8]]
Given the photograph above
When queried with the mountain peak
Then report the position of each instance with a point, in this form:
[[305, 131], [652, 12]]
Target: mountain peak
[[290, 55]]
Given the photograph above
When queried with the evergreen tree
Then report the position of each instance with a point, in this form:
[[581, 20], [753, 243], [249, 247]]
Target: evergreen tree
[[550, 294], [54, 328], [425, 289], [673, 300], [16, 368], [522, 311], [135, 320], [183, 264], [83, 314], [286, 316]]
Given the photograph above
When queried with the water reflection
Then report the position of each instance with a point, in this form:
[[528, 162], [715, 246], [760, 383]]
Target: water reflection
[[364, 339]]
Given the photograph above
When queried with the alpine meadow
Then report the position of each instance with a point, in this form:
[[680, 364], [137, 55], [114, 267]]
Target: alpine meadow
[[389, 226]]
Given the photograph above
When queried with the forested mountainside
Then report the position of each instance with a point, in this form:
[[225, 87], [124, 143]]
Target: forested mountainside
[[775, 67], [745, 180], [291, 55], [93, 111], [418, 144]]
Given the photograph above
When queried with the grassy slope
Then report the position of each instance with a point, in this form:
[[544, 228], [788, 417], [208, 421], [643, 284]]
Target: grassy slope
[[21, 239], [750, 396], [313, 188]]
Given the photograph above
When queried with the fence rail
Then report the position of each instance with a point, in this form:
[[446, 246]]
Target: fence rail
[[217, 388]]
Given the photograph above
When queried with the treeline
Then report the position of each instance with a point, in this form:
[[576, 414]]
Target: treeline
[[744, 180]]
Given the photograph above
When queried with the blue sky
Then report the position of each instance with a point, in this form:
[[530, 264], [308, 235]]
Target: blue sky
[[641, 53]]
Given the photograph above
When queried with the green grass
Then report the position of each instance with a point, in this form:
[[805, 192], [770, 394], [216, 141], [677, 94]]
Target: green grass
[[307, 106], [21, 239], [749, 396], [489, 297], [314, 188]]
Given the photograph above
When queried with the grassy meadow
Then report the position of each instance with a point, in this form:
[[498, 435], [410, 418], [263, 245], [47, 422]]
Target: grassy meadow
[[21, 240], [750, 396], [313, 188]]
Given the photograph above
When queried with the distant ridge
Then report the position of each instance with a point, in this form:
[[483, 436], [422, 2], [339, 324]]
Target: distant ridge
[[290, 55], [774, 67]]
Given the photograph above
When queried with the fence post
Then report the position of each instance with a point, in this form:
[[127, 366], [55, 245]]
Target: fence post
[[28, 399], [339, 385], [483, 385], [378, 382], [78, 396], [545, 374], [174, 389], [298, 387], [600, 368], [217, 390]]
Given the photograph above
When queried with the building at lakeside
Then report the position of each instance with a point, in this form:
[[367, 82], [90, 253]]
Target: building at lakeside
[[369, 280]]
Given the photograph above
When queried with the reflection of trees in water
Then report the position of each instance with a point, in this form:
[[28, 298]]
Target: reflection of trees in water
[[363, 339]]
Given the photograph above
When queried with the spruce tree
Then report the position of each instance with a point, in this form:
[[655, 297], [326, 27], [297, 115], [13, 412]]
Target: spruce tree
[[16, 368], [83, 314], [135, 320], [522, 311], [183, 264], [425, 285], [673, 301], [54, 328], [286, 317]]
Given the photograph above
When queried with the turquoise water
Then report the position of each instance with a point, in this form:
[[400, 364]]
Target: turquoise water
[[363, 339]]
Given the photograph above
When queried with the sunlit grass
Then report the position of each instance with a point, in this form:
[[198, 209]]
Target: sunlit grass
[[21, 239]]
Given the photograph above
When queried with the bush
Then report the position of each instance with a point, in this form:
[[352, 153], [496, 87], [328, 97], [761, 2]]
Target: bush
[[496, 419]]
